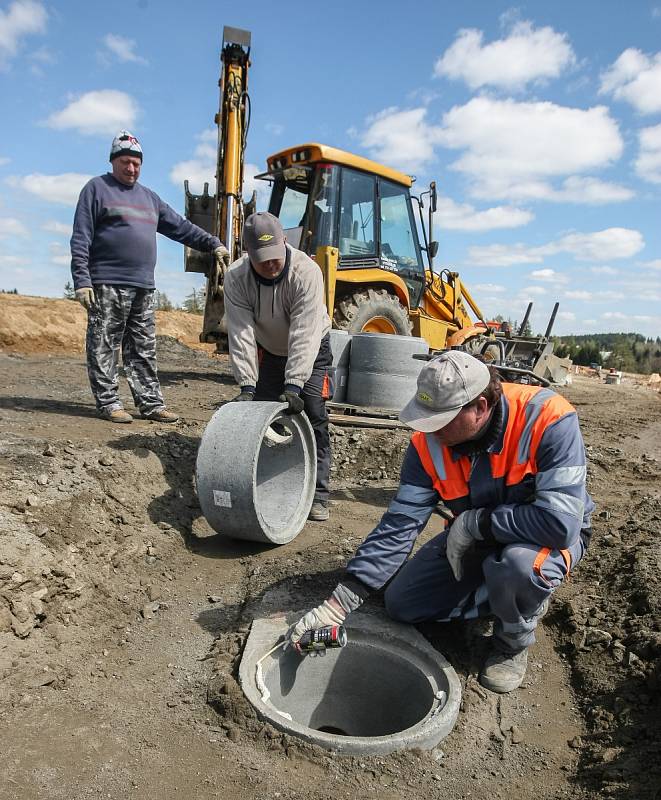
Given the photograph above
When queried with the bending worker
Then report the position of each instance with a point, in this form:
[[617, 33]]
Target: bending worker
[[508, 460], [113, 257], [278, 331]]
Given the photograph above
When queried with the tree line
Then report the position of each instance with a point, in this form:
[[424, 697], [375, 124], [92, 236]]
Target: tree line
[[629, 352]]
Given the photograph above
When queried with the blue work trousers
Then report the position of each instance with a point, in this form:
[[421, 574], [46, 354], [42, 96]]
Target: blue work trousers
[[498, 580]]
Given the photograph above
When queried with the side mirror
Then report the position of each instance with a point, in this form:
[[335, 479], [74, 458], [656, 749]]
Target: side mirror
[[432, 196], [433, 249]]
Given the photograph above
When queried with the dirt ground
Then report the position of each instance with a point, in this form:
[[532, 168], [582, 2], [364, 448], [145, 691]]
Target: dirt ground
[[122, 615]]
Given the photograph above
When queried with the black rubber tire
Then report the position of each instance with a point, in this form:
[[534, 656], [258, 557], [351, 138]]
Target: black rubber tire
[[354, 312]]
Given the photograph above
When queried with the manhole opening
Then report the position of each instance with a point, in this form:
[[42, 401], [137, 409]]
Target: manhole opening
[[361, 690]]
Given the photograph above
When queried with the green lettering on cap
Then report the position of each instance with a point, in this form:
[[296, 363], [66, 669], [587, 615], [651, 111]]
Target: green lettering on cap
[[265, 237]]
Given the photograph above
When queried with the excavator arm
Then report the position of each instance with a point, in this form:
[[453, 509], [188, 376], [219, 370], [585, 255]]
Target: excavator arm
[[222, 213]]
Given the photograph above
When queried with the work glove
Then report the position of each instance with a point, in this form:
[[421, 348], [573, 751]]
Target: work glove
[[85, 297], [223, 259], [332, 611], [245, 394], [294, 402], [463, 533]]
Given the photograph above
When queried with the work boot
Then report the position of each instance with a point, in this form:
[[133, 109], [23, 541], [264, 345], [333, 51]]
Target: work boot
[[502, 671], [160, 415], [116, 415], [319, 511]]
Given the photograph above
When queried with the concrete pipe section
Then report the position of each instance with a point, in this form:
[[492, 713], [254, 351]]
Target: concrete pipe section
[[386, 690], [256, 472], [382, 370]]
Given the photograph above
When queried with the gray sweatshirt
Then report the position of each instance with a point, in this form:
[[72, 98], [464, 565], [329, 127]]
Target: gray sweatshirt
[[287, 317]]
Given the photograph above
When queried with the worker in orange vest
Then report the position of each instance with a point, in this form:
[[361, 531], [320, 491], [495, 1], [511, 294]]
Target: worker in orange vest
[[508, 461]]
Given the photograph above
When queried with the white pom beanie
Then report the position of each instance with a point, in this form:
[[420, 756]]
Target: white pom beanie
[[125, 144]]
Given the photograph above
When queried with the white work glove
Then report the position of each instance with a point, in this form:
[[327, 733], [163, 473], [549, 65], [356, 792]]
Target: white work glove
[[332, 611], [223, 260], [463, 534], [85, 297]]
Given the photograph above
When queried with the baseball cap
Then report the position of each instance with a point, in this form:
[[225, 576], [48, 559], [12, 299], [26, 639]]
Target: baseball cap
[[445, 385], [263, 237], [125, 144]]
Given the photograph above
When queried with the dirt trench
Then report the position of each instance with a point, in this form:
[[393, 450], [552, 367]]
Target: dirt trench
[[122, 615]]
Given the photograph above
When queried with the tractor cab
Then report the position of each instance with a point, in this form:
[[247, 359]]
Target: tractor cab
[[326, 198]]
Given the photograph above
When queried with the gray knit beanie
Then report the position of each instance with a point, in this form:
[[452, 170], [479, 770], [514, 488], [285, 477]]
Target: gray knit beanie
[[125, 144]]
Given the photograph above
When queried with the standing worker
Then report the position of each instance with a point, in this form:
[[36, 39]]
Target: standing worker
[[509, 462], [278, 331], [113, 256]]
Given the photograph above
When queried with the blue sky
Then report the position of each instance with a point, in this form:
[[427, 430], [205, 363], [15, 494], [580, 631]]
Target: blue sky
[[540, 122]]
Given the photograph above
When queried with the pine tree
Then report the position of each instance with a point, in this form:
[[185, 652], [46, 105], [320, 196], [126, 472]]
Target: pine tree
[[194, 303], [69, 292]]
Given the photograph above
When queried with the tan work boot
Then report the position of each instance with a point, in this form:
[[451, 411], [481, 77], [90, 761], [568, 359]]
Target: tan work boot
[[160, 415], [117, 415], [503, 672], [319, 511]]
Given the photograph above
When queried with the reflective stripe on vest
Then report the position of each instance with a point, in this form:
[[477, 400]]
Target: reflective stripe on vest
[[544, 554], [531, 409]]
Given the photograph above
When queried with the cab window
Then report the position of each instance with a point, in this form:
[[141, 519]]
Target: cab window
[[399, 241], [357, 201]]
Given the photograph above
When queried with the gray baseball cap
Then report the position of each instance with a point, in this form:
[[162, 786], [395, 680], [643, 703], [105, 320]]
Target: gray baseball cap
[[445, 385], [263, 237]]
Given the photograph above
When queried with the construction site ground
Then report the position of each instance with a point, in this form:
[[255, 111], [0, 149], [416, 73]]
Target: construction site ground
[[123, 615]]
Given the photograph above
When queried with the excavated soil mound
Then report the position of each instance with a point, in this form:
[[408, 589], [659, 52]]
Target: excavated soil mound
[[44, 325]]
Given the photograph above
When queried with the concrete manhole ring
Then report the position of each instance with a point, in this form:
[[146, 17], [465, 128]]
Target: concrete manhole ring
[[255, 472], [387, 690]]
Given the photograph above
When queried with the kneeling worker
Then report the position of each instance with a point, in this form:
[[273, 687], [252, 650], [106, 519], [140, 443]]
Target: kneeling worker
[[278, 331], [509, 462]]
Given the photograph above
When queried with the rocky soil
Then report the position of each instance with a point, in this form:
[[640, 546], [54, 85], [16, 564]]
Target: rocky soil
[[123, 616]]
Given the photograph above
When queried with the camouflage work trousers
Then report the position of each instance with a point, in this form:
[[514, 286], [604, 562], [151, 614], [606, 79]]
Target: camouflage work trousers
[[123, 316]]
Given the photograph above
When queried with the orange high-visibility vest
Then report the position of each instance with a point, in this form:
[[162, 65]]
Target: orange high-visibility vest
[[531, 409]]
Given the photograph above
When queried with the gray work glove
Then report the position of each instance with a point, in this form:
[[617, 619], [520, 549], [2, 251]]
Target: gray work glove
[[223, 260], [463, 533], [294, 402], [332, 611], [85, 297], [243, 396]]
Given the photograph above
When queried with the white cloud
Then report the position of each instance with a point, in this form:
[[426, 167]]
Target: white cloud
[[63, 188], [654, 264], [464, 217], [10, 227], [568, 315], [4, 160], [635, 78], [537, 291], [610, 243], [274, 128], [512, 149], [122, 49], [648, 163], [604, 270], [494, 288], [615, 315], [526, 54], [57, 227], [22, 18], [99, 112], [549, 275], [578, 294], [202, 168], [13, 261], [403, 139]]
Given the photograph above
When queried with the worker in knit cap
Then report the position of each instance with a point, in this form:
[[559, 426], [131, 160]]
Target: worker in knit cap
[[113, 257]]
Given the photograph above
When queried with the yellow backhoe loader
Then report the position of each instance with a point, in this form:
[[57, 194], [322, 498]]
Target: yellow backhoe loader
[[360, 222]]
